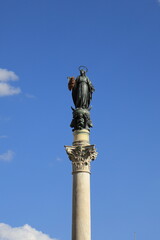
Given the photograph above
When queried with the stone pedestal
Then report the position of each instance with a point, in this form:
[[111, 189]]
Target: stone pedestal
[[81, 154]]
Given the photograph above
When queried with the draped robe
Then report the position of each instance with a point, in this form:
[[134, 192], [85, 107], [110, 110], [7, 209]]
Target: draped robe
[[82, 92]]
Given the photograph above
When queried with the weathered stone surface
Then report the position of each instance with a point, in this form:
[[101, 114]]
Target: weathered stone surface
[[81, 214], [81, 156]]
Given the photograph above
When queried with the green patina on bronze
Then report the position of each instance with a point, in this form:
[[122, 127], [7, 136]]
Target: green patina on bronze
[[82, 90]]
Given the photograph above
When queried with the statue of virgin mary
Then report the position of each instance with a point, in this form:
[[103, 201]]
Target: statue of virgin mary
[[82, 89]]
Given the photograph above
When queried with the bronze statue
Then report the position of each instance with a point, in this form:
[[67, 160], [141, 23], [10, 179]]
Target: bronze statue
[[82, 90]]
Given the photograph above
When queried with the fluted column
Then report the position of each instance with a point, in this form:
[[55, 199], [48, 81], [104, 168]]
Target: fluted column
[[81, 154]]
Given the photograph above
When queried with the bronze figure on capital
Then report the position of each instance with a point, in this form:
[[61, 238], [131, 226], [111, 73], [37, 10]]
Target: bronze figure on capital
[[82, 90]]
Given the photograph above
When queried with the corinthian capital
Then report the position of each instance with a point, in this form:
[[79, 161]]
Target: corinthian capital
[[81, 156]]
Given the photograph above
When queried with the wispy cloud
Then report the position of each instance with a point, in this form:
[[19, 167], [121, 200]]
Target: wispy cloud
[[5, 88], [30, 95], [3, 136], [4, 119], [25, 232], [58, 159], [7, 157]]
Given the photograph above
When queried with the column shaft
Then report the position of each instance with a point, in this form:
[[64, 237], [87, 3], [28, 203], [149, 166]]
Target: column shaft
[[81, 154], [81, 226]]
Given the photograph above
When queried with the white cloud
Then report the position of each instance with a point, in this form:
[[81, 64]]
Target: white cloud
[[6, 75], [5, 88], [7, 157], [25, 232]]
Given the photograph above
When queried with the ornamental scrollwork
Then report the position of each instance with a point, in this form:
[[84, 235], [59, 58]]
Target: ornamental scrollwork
[[81, 156]]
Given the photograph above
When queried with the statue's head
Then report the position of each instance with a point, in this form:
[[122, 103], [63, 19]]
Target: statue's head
[[83, 72]]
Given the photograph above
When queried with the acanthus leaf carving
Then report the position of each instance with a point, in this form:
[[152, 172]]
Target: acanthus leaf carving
[[81, 156]]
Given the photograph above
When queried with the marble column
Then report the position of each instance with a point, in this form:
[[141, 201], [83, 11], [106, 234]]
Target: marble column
[[81, 153]]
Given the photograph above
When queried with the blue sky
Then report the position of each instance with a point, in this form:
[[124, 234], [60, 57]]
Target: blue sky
[[42, 42]]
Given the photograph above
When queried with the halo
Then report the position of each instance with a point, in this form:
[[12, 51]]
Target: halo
[[83, 67]]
